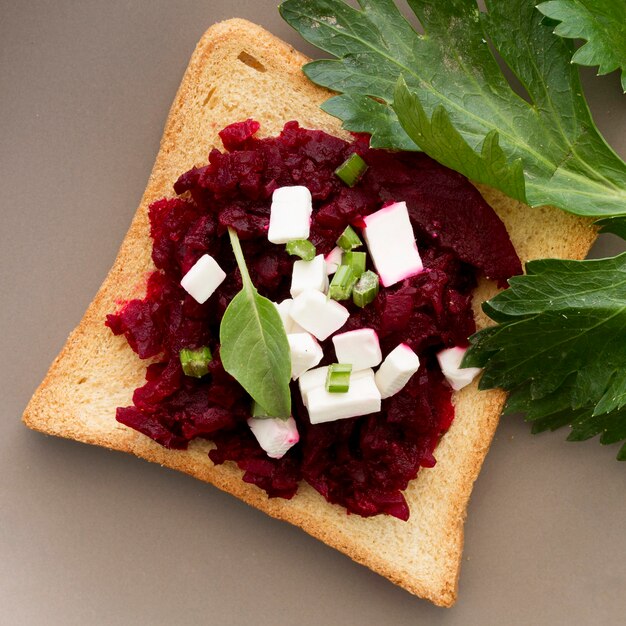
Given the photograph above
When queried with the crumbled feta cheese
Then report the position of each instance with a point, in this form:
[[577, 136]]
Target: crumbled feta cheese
[[396, 371], [290, 214], [359, 347], [309, 275], [274, 435], [333, 260], [362, 398], [305, 353], [203, 278], [391, 244], [317, 314], [450, 361]]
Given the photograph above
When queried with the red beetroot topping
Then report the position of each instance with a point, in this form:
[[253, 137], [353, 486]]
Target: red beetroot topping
[[361, 463]]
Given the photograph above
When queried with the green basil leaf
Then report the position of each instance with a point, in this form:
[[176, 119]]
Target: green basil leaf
[[254, 348]]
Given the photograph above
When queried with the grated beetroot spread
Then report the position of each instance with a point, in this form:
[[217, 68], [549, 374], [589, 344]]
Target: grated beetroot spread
[[361, 463]]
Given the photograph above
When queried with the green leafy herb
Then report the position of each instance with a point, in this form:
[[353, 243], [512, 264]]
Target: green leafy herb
[[254, 348], [365, 115], [551, 138], [438, 138], [258, 411], [559, 346], [602, 23]]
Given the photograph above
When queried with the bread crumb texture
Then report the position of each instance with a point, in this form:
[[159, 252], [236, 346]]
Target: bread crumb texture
[[237, 71]]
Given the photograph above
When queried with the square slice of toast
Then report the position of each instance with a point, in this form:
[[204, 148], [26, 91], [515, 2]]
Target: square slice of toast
[[237, 71]]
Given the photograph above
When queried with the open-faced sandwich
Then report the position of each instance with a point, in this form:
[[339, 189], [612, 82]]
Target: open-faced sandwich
[[287, 315]]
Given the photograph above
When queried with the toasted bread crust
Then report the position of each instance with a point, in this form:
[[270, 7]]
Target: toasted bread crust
[[96, 371]]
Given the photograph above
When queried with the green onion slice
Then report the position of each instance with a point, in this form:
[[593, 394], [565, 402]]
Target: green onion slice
[[342, 284], [302, 248], [338, 377], [349, 240], [366, 289], [356, 261], [195, 362], [351, 170]]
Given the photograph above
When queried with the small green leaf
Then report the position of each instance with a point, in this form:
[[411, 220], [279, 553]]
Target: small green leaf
[[254, 348], [602, 23]]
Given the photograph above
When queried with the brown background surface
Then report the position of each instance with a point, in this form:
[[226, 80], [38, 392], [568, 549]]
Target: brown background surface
[[93, 537]]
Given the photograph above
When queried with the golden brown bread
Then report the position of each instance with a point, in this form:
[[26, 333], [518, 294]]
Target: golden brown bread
[[239, 70]]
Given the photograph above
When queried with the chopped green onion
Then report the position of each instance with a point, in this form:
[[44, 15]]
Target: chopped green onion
[[356, 261], [302, 248], [195, 362], [351, 169], [338, 377], [258, 410], [349, 240], [366, 289], [342, 283]]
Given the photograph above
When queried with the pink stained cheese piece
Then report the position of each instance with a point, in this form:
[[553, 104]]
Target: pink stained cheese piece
[[391, 244]]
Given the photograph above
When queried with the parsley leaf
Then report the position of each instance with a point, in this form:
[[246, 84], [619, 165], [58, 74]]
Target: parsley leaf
[[565, 161], [438, 138], [602, 23], [560, 346], [366, 115]]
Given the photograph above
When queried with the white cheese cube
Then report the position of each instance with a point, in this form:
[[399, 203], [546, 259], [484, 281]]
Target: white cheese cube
[[450, 361], [333, 260], [317, 314], [317, 378], [274, 435], [305, 353], [362, 398], [310, 380], [284, 309], [309, 275], [391, 244], [290, 214], [203, 278], [358, 347], [396, 371]]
